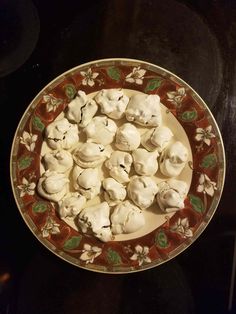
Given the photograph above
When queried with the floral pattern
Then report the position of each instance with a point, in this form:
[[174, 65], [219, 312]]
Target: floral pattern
[[182, 228], [204, 135], [176, 97], [89, 253], [52, 103], [127, 255], [206, 186], [89, 77], [29, 140], [136, 76], [50, 227], [26, 188], [141, 255]]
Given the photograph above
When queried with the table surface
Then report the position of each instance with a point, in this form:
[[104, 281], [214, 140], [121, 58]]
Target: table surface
[[194, 39]]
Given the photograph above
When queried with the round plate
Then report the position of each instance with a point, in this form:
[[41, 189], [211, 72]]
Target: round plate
[[176, 232]]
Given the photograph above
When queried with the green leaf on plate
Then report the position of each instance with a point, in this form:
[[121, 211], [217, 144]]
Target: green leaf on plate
[[113, 257], [38, 124], [209, 161], [40, 207], [161, 239], [70, 91], [114, 73], [189, 116], [153, 84], [24, 162], [197, 203], [72, 243]]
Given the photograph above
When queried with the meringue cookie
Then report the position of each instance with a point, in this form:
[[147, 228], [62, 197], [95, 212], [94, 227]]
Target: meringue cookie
[[86, 181], [127, 137], [96, 219], [161, 137], [144, 110], [58, 160], [113, 102], [171, 195], [146, 140], [145, 163], [101, 130], [89, 155], [61, 134], [53, 186], [114, 192], [173, 159], [81, 109], [142, 191], [127, 218], [156, 138], [119, 165], [71, 205]]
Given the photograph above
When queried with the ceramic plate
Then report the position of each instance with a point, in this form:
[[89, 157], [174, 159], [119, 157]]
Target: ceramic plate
[[164, 235]]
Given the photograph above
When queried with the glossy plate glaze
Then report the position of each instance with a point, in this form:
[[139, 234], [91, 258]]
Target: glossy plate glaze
[[175, 232]]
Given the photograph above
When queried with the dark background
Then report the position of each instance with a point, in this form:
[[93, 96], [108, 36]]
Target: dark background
[[195, 39]]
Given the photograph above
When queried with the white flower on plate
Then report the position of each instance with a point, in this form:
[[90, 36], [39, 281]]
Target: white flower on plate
[[177, 96], [141, 255], [182, 227], [204, 135], [26, 187], [136, 76], [28, 139], [89, 253], [50, 227], [89, 77], [206, 186], [52, 102]]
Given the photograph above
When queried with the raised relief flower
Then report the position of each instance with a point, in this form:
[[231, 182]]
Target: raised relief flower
[[26, 187], [50, 227], [204, 135], [177, 96], [182, 228], [89, 253], [51, 102], [28, 139], [136, 76], [141, 255], [206, 186], [89, 77]]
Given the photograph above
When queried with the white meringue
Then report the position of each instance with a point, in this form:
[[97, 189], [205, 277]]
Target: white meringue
[[127, 137], [161, 137], [61, 134], [144, 110], [101, 130], [113, 102], [119, 165], [114, 192], [89, 155], [86, 181], [81, 109], [52, 185], [173, 159], [71, 205], [146, 140], [96, 219], [145, 163], [127, 218], [171, 195], [142, 191], [58, 160]]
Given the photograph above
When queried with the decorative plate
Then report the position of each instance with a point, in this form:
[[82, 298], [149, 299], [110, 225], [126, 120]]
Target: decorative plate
[[171, 234]]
